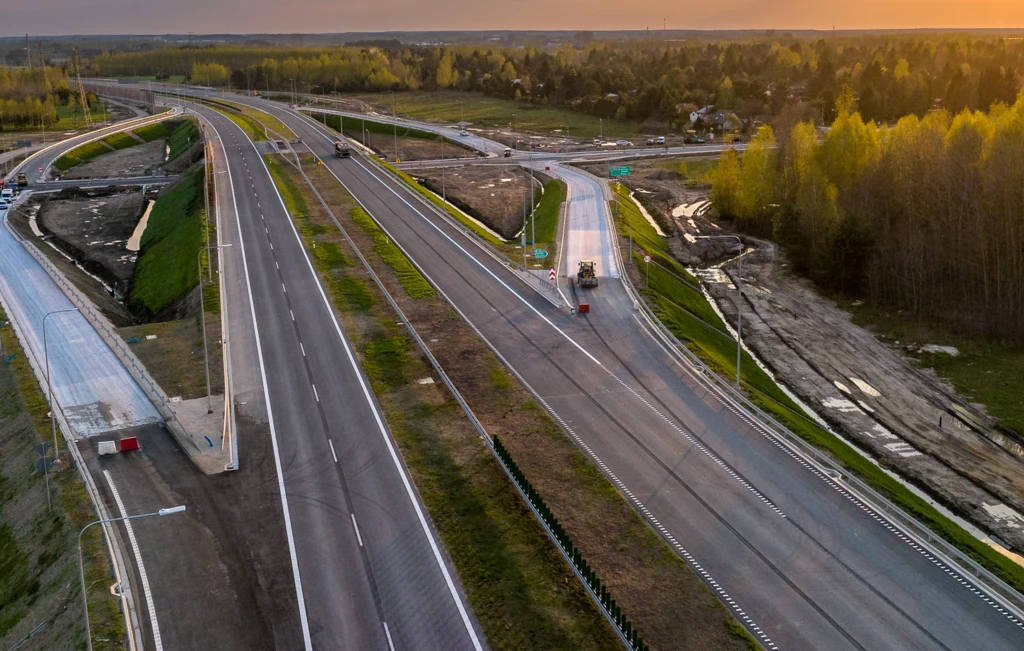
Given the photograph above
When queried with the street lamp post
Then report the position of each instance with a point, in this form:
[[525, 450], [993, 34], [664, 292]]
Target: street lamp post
[[81, 565], [202, 319], [394, 123], [739, 297], [49, 384]]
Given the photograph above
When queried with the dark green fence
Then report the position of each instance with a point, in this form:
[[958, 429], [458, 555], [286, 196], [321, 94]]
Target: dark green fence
[[571, 552]]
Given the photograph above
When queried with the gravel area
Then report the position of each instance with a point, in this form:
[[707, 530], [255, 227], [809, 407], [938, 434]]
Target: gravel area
[[496, 192], [140, 160]]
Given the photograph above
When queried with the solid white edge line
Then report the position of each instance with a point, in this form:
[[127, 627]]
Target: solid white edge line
[[307, 641], [379, 420], [157, 641], [355, 525]]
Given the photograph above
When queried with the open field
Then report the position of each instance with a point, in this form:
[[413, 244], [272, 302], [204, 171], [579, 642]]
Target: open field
[[519, 587], [483, 111], [498, 196]]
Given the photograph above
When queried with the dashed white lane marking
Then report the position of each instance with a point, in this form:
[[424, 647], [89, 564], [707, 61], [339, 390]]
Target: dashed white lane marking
[[277, 265], [315, 394], [953, 572], [289, 311], [687, 556], [302, 348], [285, 290], [157, 641], [391, 644], [356, 526], [333, 453]]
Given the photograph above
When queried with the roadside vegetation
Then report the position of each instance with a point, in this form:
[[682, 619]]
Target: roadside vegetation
[[166, 268], [38, 551], [262, 117], [41, 98], [674, 296], [549, 209], [178, 133], [519, 586]]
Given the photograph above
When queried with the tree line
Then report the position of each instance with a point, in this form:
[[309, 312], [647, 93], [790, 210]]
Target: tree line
[[926, 215], [645, 80], [28, 98]]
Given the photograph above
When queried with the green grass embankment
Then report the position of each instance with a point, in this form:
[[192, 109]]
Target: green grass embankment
[[545, 217], [121, 140], [355, 126], [683, 309], [156, 131], [82, 154], [181, 138], [167, 269]]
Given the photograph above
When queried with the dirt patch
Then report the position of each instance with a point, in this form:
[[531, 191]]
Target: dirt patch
[[409, 149], [493, 194], [93, 226], [871, 395], [140, 160]]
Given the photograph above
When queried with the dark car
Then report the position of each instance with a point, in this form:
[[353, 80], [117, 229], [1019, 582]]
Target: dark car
[[694, 140]]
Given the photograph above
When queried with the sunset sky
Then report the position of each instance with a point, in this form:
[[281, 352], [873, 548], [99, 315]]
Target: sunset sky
[[43, 17]]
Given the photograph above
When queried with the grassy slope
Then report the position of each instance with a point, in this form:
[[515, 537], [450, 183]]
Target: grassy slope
[[166, 268], [688, 315], [81, 154], [38, 563], [180, 138], [157, 131], [548, 210], [120, 140], [485, 111]]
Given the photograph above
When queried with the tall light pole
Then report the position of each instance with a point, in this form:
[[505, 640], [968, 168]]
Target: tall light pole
[[81, 565], [202, 319], [739, 297], [49, 384], [394, 123]]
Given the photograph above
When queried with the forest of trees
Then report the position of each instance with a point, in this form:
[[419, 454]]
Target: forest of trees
[[29, 97], [927, 215], [647, 80]]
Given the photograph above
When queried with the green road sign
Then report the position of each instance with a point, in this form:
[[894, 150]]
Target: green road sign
[[540, 253], [622, 170]]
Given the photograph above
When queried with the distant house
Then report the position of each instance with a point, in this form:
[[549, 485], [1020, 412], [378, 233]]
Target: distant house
[[724, 120], [701, 114]]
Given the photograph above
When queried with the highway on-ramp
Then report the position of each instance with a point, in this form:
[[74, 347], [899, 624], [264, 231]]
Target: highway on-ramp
[[799, 558]]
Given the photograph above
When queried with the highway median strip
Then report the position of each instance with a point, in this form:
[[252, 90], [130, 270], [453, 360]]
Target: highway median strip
[[519, 585]]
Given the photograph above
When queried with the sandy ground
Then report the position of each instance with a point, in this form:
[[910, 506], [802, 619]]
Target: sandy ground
[[94, 228], [874, 397], [141, 160], [496, 192], [411, 148]]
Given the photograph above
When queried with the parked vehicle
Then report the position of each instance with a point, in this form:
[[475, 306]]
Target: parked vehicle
[[661, 140], [623, 143], [694, 140], [650, 141], [7, 194], [22, 179], [586, 276], [597, 142], [342, 149]]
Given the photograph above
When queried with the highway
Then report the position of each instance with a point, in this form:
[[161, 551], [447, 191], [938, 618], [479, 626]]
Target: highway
[[368, 566], [800, 560]]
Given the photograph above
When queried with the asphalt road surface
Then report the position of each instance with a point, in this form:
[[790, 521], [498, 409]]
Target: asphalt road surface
[[803, 563], [94, 391], [370, 568]]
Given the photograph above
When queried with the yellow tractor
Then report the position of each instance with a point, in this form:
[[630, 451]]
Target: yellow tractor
[[586, 276]]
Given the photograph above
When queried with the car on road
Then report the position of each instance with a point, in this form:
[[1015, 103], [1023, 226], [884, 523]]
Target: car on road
[[623, 143], [463, 133], [508, 152]]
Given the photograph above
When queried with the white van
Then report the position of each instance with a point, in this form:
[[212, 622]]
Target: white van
[[7, 194]]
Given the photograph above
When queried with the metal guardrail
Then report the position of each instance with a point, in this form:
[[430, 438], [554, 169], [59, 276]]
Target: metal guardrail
[[728, 394], [114, 342]]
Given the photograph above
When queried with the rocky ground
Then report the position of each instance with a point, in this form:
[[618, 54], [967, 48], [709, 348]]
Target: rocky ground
[[871, 395], [93, 227]]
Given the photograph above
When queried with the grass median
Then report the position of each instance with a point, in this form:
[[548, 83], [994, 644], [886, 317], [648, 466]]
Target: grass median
[[673, 297], [519, 586]]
